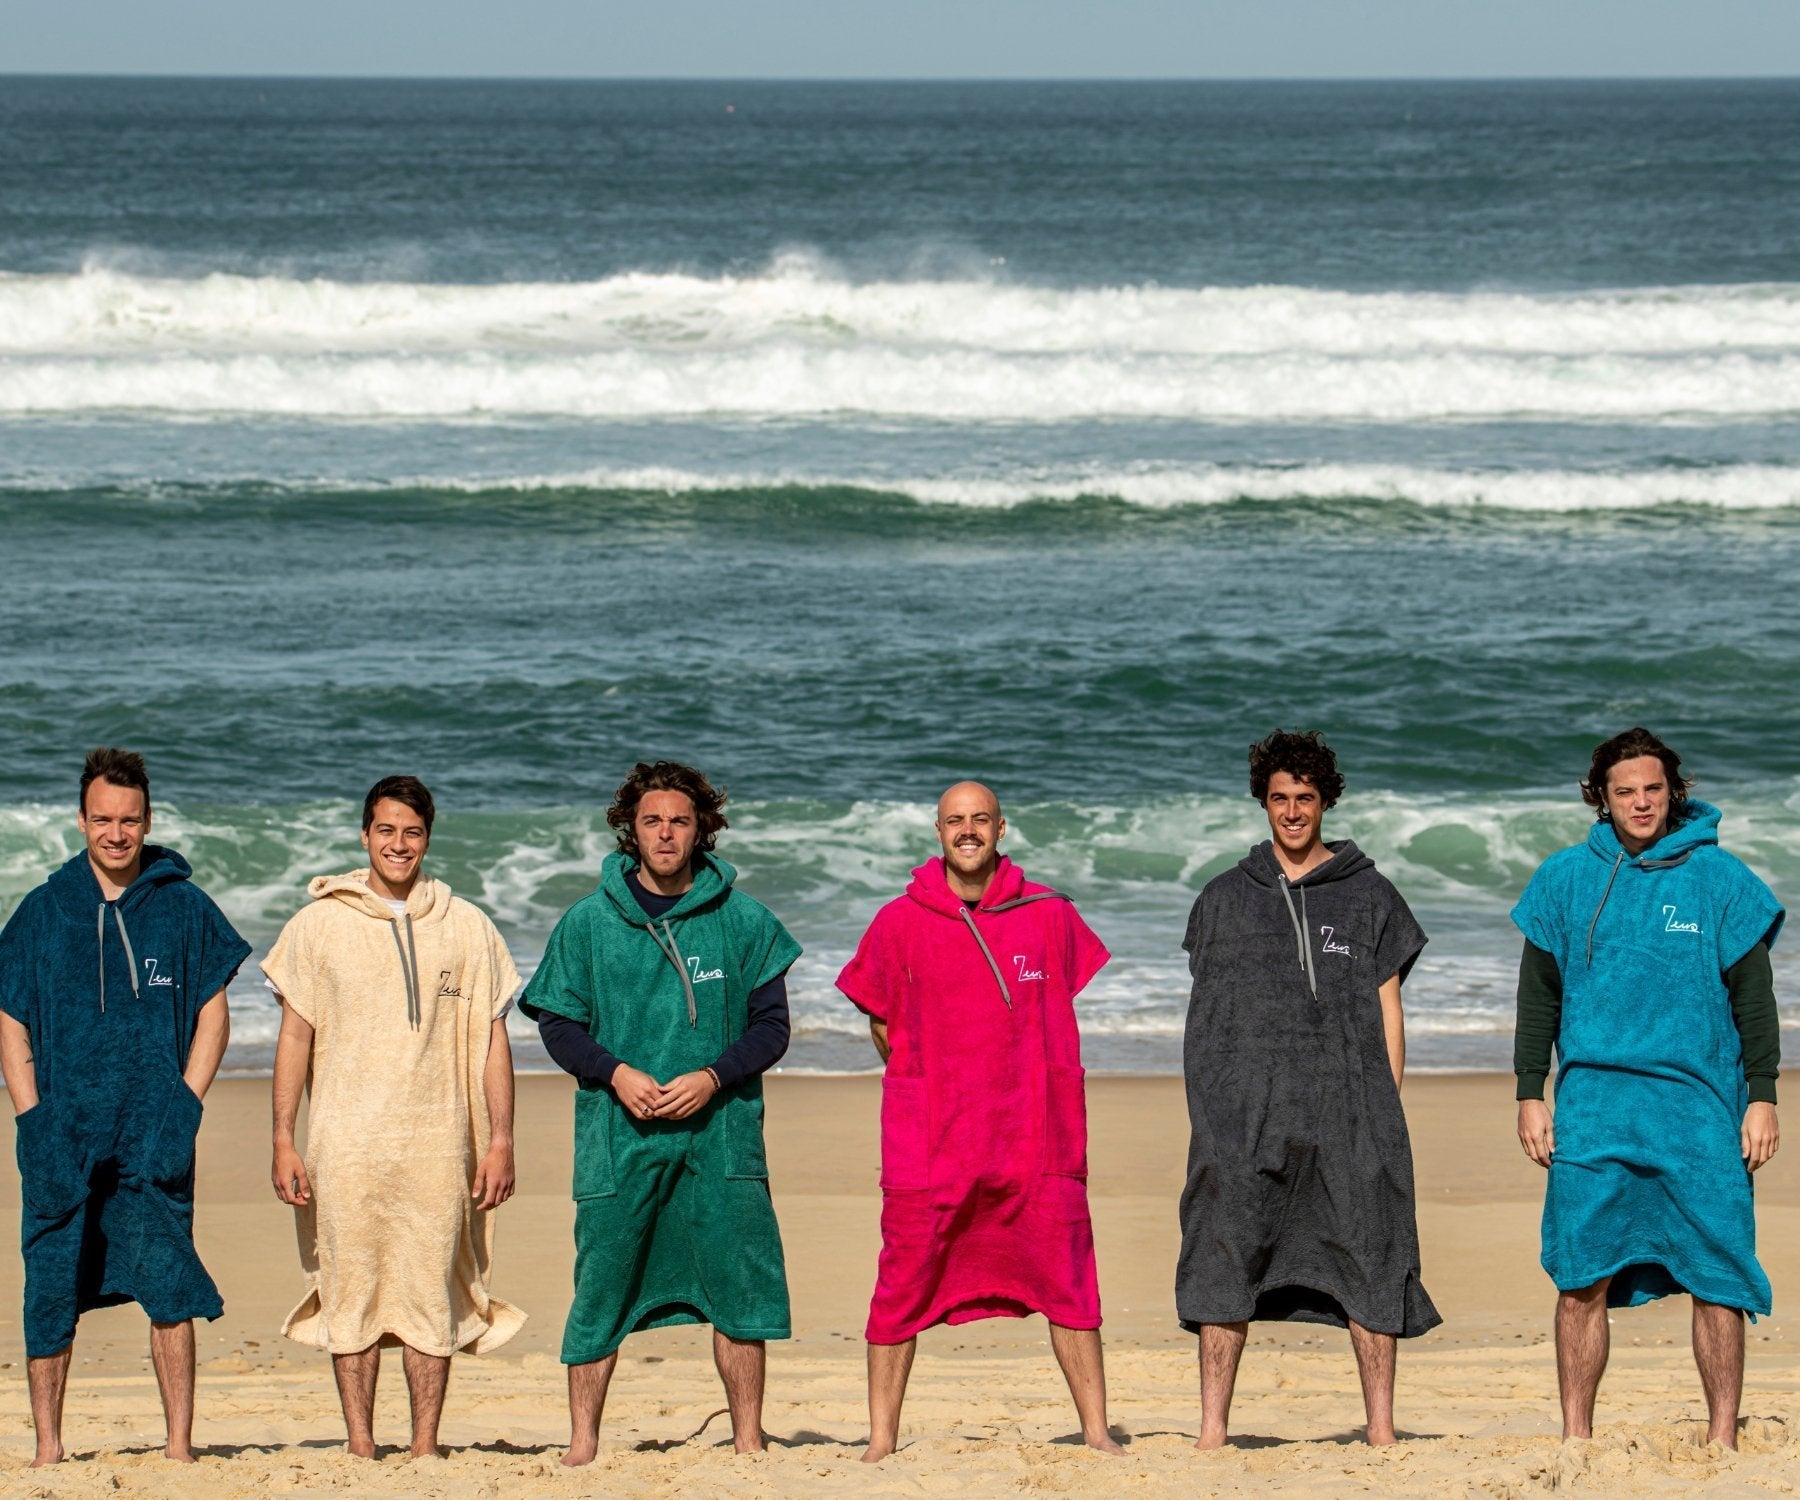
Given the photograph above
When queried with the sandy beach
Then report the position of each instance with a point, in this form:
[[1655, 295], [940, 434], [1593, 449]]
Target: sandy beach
[[987, 1411]]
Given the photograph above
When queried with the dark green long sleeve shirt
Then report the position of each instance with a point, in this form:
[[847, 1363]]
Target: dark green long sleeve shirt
[[1750, 982]]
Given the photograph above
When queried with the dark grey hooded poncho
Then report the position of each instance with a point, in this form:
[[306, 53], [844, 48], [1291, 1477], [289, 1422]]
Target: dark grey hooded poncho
[[1299, 1197]]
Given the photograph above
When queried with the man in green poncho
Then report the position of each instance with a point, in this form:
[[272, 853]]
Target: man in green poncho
[[664, 993]]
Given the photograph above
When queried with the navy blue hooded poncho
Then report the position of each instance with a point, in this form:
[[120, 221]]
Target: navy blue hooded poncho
[[111, 993]]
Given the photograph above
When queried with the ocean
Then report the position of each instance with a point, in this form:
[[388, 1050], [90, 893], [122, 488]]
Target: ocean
[[850, 439]]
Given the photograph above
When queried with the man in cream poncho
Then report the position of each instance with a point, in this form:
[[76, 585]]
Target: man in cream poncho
[[394, 995]]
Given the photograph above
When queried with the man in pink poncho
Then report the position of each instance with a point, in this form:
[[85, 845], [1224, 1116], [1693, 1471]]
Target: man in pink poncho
[[969, 982]]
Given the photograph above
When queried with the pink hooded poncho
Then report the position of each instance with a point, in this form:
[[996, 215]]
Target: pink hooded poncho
[[983, 1113]]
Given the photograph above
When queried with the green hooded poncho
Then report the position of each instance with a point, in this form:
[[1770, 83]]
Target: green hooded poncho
[[673, 1221]]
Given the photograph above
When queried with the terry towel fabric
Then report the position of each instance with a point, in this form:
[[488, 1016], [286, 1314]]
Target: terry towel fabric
[[1299, 1199], [111, 993], [673, 1219], [983, 1106], [402, 1010], [1647, 1183]]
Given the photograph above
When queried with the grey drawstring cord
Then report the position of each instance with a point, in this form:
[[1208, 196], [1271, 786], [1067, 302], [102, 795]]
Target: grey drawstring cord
[[671, 950], [130, 957], [1594, 921], [981, 942], [409, 972], [1300, 921]]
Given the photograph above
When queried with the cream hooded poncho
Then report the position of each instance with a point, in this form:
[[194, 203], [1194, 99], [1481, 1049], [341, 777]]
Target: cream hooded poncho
[[401, 1010]]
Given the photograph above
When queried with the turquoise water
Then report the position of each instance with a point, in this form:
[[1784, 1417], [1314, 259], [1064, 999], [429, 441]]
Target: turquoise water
[[862, 438]]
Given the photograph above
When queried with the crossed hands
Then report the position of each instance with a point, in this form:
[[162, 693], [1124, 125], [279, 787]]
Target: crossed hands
[[646, 1099], [1758, 1140]]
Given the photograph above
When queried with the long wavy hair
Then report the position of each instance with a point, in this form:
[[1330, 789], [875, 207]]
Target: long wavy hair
[[666, 776]]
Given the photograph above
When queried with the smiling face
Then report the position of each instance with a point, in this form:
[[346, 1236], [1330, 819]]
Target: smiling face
[[396, 839], [1637, 802], [1296, 815], [666, 828], [969, 827], [114, 820]]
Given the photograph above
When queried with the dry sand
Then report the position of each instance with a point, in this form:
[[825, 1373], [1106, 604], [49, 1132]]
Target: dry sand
[[987, 1413]]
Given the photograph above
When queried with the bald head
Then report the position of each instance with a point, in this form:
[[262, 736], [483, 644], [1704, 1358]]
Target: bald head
[[970, 827], [968, 793]]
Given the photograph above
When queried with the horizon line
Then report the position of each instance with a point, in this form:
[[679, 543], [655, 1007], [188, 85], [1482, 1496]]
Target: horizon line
[[847, 78]]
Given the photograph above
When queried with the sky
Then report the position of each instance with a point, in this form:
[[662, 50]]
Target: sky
[[907, 38]]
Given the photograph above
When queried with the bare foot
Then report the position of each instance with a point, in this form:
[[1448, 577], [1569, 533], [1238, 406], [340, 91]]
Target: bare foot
[[46, 1456], [1380, 1437], [1103, 1443], [875, 1452], [360, 1447], [749, 1445], [1211, 1442], [580, 1456], [182, 1455], [432, 1451]]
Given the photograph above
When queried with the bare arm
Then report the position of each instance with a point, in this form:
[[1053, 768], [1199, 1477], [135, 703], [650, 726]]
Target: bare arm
[[212, 1030], [17, 1063], [878, 1035], [293, 1056], [494, 1177], [1393, 1025]]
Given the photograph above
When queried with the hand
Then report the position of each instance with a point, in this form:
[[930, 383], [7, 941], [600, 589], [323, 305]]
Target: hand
[[289, 1176], [637, 1091], [682, 1096], [1761, 1137], [494, 1177], [1536, 1133]]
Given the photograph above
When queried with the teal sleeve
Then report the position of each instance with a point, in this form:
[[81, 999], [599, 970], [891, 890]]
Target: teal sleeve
[[1539, 1020], [1751, 983], [563, 983]]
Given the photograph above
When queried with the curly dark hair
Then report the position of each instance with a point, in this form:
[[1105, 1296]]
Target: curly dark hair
[[1629, 746], [666, 776], [1304, 755]]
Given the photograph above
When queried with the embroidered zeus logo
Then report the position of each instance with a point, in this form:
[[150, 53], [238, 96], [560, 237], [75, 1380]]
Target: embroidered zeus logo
[[156, 977], [699, 973], [1332, 945], [1670, 924], [1024, 973]]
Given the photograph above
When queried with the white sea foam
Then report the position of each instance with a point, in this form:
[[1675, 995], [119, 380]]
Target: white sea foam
[[800, 341], [1166, 486]]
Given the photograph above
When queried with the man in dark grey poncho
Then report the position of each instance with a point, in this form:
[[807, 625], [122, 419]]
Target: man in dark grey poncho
[[1299, 1197]]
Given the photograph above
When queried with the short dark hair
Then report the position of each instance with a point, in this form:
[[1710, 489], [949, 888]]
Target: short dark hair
[[1629, 746], [1304, 755], [408, 790], [117, 768], [666, 776]]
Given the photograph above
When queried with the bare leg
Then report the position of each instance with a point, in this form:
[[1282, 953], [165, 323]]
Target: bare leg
[[1375, 1369], [587, 1404], [1719, 1352], [743, 1366], [889, 1367], [1221, 1347], [48, 1377], [172, 1357], [356, 1376], [1582, 1345], [427, 1378], [1084, 1367]]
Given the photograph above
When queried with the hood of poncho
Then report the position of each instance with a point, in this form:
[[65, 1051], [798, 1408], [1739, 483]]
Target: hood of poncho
[[76, 888], [1009, 889], [1261, 866], [426, 902], [1699, 828]]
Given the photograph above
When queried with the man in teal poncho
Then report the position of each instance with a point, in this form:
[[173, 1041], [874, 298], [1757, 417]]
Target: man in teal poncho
[[663, 992], [1646, 964], [112, 1024]]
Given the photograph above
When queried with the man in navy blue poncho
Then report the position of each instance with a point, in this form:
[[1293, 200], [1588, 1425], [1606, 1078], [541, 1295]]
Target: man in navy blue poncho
[[112, 1024]]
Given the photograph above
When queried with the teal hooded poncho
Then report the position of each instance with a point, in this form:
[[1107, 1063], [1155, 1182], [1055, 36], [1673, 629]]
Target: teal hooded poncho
[[673, 1219], [1647, 1183], [111, 993]]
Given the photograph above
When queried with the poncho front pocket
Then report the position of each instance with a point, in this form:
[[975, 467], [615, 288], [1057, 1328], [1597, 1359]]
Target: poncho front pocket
[[593, 1144], [168, 1155], [1065, 1121], [905, 1135], [52, 1178], [745, 1154]]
